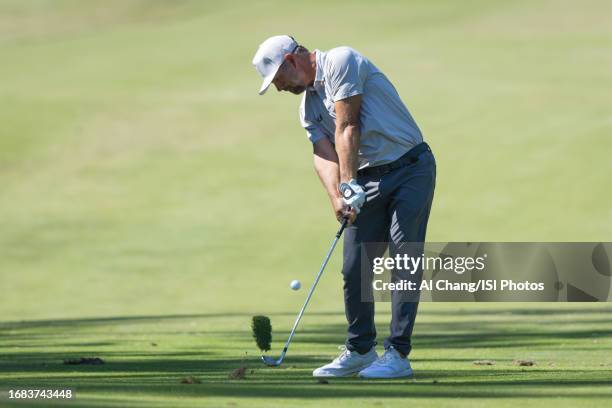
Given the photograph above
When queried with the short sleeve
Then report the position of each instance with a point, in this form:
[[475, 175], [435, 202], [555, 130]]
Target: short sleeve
[[345, 74], [314, 132]]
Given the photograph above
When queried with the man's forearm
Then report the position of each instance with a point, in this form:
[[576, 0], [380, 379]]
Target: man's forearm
[[328, 172], [347, 146]]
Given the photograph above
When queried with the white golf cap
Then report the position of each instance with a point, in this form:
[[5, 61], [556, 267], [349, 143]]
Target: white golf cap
[[270, 56]]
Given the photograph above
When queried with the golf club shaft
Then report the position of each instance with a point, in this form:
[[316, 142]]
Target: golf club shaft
[[314, 285]]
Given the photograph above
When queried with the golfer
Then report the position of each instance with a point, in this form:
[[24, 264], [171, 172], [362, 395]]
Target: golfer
[[372, 161]]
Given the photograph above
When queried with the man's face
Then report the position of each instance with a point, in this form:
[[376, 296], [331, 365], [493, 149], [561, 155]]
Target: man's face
[[290, 77]]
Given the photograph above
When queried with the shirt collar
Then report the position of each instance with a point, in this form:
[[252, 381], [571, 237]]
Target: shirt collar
[[320, 59]]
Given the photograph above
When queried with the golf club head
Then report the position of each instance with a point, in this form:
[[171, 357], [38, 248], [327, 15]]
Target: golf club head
[[270, 361]]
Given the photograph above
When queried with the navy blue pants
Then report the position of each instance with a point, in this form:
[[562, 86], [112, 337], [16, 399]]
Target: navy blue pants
[[396, 211]]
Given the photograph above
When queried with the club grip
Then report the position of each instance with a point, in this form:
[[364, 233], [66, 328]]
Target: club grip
[[342, 227]]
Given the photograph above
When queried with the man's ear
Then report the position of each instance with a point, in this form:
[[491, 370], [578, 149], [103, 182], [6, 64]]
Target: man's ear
[[291, 59]]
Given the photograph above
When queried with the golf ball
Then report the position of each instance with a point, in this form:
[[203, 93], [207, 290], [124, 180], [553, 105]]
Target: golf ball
[[295, 284]]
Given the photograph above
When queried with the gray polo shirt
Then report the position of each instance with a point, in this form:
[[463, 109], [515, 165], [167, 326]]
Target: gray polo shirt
[[387, 128]]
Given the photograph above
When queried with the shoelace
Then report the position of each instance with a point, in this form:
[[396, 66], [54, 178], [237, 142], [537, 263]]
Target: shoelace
[[345, 353], [386, 358]]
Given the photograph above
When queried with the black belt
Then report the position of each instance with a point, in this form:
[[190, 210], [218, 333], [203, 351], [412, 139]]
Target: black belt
[[412, 156]]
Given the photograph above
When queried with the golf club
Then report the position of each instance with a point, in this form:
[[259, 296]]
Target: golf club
[[270, 361]]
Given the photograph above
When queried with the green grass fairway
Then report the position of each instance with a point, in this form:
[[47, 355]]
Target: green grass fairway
[[149, 195], [147, 357]]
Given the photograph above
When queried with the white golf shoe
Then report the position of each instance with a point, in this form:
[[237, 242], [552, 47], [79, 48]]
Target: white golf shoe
[[390, 365], [347, 363]]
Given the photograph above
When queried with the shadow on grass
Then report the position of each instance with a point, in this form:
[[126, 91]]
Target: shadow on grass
[[476, 310], [161, 376], [134, 369], [467, 335], [96, 321]]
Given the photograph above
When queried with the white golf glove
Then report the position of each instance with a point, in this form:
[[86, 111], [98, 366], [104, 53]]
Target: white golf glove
[[353, 194]]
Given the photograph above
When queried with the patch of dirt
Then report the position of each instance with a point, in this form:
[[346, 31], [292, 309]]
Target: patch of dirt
[[238, 374], [484, 362], [190, 380], [524, 363]]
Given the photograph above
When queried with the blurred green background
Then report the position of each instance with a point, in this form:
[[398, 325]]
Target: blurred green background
[[141, 172]]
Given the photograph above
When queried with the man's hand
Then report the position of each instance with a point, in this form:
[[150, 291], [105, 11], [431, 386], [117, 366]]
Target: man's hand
[[353, 194], [343, 211]]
